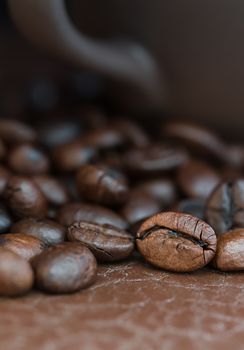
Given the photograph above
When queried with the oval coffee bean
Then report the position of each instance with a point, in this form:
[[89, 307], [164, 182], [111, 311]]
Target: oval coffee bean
[[24, 198], [193, 206], [53, 189], [49, 231], [28, 160], [16, 275], [197, 179], [24, 245], [230, 251], [104, 139], [132, 132], [176, 242], [225, 207], [99, 185], [14, 131], [107, 243], [75, 212], [65, 268]]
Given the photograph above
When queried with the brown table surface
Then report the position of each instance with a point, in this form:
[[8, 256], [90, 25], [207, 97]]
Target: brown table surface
[[131, 306]]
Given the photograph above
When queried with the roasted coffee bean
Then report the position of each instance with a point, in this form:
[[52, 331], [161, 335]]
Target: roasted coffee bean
[[14, 131], [139, 206], [234, 156], [54, 190], [64, 268], [22, 244], [72, 155], [225, 207], [104, 139], [163, 190], [28, 160], [5, 220], [75, 212], [176, 242], [92, 116], [16, 275], [4, 176], [107, 243], [99, 185], [49, 231], [230, 251], [193, 206], [154, 159], [196, 137], [24, 198], [197, 179], [132, 132]]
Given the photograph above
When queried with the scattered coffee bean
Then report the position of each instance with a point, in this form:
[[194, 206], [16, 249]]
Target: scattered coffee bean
[[24, 245], [225, 206], [13, 131], [193, 206], [75, 212], [176, 242], [107, 243], [28, 160], [49, 231], [197, 179], [133, 134], [64, 268], [99, 185], [230, 251], [104, 139], [16, 275], [4, 176], [24, 198], [54, 190]]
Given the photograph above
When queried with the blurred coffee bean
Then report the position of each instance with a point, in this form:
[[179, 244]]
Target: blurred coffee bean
[[14, 131], [225, 206], [24, 198], [132, 132], [154, 160], [161, 189], [70, 156], [193, 206], [197, 179], [22, 244], [104, 139], [92, 116], [100, 185], [28, 160], [196, 137], [4, 176], [16, 275], [107, 243], [234, 156], [65, 268], [49, 231], [75, 212], [54, 190], [5, 220], [139, 206]]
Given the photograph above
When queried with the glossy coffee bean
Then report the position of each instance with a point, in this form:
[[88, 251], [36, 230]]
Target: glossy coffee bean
[[5, 220], [22, 244], [193, 206], [72, 155], [196, 137], [48, 231], [65, 268], [99, 185], [154, 159], [75, 212], [132, 132], [4, 176], [107, 243], [16, 275], [161, 189], [28, 160], [24, 198], [230, 251], [225, 207], [139, 206], [14, 131], [176, 242], [104, 139], [197, 179], [54, 190]]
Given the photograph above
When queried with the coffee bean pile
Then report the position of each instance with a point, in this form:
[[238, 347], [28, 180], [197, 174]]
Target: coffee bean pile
[[93, 190]]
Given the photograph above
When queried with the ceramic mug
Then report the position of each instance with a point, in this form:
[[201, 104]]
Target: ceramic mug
[[186, 56]]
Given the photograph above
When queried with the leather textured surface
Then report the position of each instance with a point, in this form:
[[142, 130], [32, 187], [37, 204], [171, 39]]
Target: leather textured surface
[[131, 306]]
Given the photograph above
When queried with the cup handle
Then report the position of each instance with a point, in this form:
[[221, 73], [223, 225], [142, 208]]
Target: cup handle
[[46, 24]]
